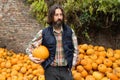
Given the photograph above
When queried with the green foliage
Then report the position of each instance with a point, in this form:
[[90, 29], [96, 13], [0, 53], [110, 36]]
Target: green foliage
[[30, 1], [85, 14], [39, 10], [110, 6], [82, 15]]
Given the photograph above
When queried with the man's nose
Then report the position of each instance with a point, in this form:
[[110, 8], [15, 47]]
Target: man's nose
[[59, 16]]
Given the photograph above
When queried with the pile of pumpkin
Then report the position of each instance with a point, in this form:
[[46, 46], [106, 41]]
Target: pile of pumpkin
[[94, 63], [17, 66], [97, 63]]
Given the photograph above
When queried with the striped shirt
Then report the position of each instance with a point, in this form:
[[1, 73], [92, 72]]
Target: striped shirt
[[59, 56]]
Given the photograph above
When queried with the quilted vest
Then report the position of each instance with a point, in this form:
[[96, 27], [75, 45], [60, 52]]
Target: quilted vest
[[49, 41]]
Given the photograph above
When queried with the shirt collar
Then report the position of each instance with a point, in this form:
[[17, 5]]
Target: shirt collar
[[56, 31]]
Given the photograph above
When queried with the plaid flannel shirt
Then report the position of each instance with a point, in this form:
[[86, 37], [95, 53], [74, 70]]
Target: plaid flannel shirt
[[59, 57]]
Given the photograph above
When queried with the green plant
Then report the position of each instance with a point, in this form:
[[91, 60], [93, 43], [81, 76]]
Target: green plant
[[39, 10], [82, 15]]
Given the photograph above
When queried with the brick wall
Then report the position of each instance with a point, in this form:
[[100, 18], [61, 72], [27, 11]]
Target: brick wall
[[17, 27]]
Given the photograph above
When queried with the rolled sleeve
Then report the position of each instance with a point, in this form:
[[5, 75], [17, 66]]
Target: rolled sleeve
[[36, 41], [75, 43]]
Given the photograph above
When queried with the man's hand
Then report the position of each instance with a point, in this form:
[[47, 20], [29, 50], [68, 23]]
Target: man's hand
[[36, 60]]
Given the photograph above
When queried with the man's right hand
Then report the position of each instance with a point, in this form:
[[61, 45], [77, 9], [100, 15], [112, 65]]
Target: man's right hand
[[36, 60]]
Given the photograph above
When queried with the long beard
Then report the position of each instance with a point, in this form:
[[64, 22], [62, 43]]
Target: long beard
[[58, 24]]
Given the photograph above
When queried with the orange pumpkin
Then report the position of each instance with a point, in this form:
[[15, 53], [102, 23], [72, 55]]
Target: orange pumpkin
[[81, 50], [112, 76], [107, 62], [90, 51], [84, 46], [93, 57], [90, 77], [80, 68], [84, 62], [94, 66], [84, 73], [99, 61], [109, 52], [105, 78], [41, 77], [101, 48], [74, 72], [102, 53], [117, 71], [23, 70], [77, 76], [88, 67], [97, 75], [80, 56], [109, 69], [112, 59], [95, 48], [41, 52], [117, 51], [102, 67], [117, 56]]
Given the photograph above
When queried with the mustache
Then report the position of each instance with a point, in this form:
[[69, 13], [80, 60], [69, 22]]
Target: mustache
[[58, 23], [59, 20]]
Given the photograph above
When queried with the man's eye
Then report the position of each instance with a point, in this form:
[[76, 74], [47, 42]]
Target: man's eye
[[56, 14]]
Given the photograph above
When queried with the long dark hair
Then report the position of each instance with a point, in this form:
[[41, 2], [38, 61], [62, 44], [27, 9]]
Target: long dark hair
[[51, 13]]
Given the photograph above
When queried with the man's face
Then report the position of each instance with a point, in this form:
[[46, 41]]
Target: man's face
[[58, 18]]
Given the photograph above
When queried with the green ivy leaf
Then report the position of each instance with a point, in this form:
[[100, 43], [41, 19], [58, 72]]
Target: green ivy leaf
[[91, 10]]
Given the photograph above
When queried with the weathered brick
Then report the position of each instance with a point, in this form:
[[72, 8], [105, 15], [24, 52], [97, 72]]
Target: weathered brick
[[17, 27]]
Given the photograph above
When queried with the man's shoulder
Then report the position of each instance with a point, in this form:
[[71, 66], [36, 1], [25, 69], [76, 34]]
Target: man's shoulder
[[67, 27], [46, 29]]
